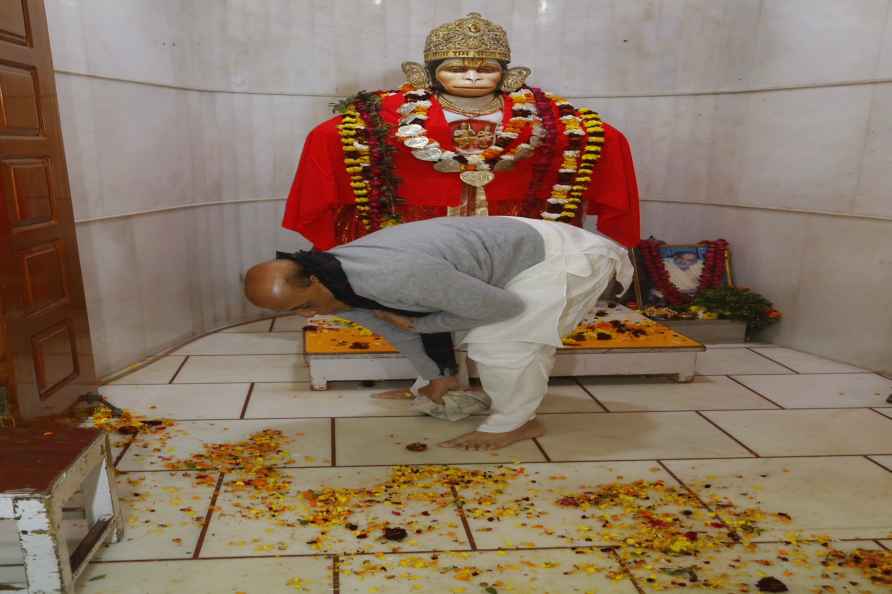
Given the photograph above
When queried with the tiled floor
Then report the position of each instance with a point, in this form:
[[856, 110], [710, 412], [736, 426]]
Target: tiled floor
[[805, 441]]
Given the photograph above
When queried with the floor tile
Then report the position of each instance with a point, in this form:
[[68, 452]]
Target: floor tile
[[289, 324], [737, 345], [159, 372], [342, 399], [165, 512], [564, 571], [805, 568], [735, 361], [822, 390], [524, 511], [370, 502], [210, 576], [234, 343], [564, 396], [259, 326], [806, 363], [844, 497], [885, 461], [308, 441], [383, 441], [178, 401], [245, 368], [661, 394], [808, 432], [634, 436]]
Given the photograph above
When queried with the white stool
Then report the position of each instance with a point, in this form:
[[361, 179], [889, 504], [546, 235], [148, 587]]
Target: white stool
[[42, 467]]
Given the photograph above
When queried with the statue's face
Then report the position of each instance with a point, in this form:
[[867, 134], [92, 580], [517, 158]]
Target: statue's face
[[469, 77]]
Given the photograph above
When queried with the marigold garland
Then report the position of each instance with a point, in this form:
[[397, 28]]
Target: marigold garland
[[368, 157], [368, 154]]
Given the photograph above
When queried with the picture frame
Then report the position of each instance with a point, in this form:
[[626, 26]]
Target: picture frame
[[683, 262]]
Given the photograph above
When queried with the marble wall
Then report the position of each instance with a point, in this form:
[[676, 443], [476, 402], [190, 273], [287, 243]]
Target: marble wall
[[763, 121]]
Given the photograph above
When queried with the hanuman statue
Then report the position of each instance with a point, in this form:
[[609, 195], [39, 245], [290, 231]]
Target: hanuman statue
[[464, 136]]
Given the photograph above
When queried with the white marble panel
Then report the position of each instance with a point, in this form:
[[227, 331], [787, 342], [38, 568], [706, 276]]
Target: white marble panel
[[114, 301], [843, 310], [108, 255], [619, 47], [818, 41], [874, 195], [884, 68], [66, 35], [801, 149], [789, 149], [118, 334], [163, 271], [662, 221], [75, 96], [141, 147], [576, 47], [135, 40]]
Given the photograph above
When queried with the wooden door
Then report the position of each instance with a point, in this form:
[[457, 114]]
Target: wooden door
[[47, 361]]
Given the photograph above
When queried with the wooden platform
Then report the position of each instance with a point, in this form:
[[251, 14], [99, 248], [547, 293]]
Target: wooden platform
[[611, 341]]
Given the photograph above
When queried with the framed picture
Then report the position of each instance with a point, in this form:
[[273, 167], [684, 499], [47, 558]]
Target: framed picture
[[683, 266]]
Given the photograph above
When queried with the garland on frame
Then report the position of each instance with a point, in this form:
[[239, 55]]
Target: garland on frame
[[711, 277]]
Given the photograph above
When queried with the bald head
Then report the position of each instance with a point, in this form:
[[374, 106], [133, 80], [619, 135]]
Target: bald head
[[275, 284]]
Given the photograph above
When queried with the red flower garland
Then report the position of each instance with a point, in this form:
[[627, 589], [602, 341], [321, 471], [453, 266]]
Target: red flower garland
[[712, 275], [546, 151], [379, 174]]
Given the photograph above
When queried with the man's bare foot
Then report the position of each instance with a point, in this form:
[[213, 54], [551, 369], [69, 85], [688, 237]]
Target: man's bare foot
[[478, 440], [403, 394]]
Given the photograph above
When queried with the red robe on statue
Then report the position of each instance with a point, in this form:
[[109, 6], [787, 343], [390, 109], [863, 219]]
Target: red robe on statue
[[321, 203]]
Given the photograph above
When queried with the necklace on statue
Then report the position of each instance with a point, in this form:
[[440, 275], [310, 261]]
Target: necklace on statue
[[494, 105], [412, 132]]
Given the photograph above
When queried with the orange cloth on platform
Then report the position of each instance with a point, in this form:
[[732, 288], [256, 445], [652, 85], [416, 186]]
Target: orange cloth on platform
[[321, 203]]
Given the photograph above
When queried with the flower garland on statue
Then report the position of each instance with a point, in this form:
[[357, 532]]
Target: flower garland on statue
[[368, 158], [712, 275], [585, 133], [583, 129]]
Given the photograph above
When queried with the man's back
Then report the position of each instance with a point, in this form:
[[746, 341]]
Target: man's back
[[491, 249]]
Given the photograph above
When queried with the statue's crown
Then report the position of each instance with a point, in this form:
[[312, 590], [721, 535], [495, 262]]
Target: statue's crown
[[470, 37]]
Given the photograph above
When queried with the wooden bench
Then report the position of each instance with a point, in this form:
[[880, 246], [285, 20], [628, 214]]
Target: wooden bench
[[41, 467]]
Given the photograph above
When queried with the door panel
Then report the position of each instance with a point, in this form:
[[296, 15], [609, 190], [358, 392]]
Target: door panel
[[46, 356]]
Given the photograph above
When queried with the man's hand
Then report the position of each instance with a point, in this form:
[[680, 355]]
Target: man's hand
[[401, 322]]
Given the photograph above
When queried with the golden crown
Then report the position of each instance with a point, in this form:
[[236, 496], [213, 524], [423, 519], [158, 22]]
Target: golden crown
[[470, 37]]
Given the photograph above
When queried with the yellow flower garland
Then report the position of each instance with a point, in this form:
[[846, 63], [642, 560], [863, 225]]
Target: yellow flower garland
[[581, 165], [569, 197], [356, 159]]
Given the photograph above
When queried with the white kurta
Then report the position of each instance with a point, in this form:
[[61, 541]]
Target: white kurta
[[515, 356]]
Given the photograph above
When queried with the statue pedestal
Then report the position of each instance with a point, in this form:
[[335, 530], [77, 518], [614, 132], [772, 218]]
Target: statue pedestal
[[611, 341]]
